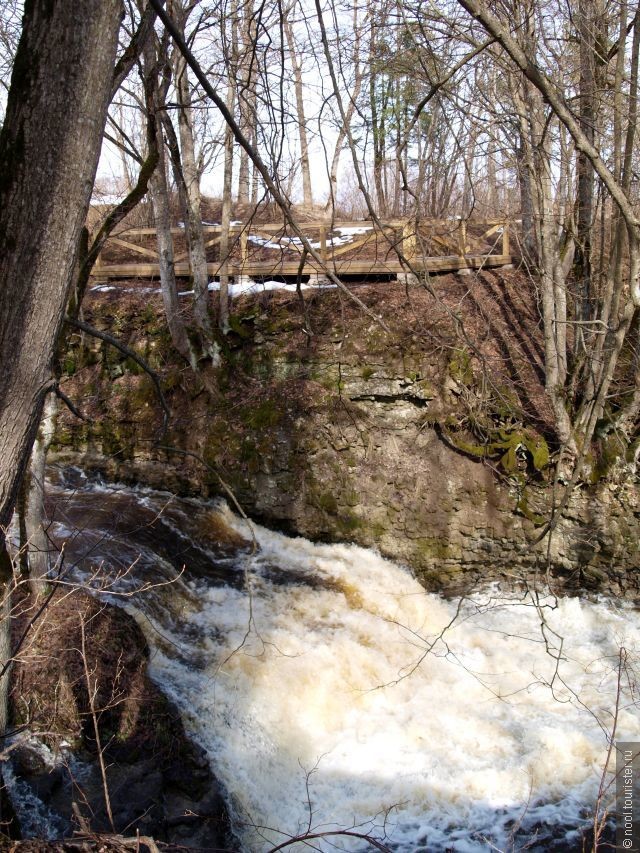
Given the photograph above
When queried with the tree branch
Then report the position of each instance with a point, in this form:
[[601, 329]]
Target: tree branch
[[57, 390], [129, 57], [557, 103], [125, 350], [118, 214]]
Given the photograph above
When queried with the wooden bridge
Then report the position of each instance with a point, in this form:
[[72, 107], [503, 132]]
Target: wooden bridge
[[362, 249]]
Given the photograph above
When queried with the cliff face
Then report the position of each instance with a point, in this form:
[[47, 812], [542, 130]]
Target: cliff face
[[361, 434]]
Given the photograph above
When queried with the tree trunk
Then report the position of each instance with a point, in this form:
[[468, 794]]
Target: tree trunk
[[535, 163], [173, 147], [159, 195], [377, 129], [225, 247], [340, 141], [607, 346], [468, 194], [195, 234], [38, 544], [588, 22], [307, 195], [49, 149], [246, 97], [524, 173]]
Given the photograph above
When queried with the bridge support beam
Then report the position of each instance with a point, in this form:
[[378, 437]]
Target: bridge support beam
[[407, 278], [243, 280], [316, 279]]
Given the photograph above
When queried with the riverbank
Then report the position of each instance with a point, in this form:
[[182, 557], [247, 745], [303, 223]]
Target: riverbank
[[397, 435], [99, 748]]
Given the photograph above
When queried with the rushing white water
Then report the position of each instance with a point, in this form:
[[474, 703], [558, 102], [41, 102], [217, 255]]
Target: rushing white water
[[331, 692]]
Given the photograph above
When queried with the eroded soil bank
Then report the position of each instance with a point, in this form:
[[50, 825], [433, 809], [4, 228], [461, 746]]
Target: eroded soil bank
[[108, 753], [427, 436]]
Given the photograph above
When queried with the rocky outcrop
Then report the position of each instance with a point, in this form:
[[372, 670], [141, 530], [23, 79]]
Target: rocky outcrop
[[346, 435]]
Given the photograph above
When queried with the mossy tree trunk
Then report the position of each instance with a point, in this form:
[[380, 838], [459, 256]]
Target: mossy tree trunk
[[38, 543], [49, 149]]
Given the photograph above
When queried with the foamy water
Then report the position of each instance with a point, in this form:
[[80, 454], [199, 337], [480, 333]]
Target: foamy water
[[333, 693]]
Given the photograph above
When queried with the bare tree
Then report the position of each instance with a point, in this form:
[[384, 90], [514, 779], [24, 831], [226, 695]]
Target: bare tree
[[49, 147], [591, 47], [191, 177], [9, 35], [155, 95], [296, 64], [540, 106], [354, 88], [247, 95], [227, 186]]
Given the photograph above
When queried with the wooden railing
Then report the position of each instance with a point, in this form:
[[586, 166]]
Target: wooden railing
[[264, 249]]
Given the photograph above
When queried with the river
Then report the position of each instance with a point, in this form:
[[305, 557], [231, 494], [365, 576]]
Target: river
[[333, 693]]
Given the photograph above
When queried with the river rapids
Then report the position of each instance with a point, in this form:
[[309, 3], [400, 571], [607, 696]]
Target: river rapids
[[333, 694]]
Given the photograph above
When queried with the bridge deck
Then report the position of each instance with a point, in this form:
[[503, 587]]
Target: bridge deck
[[347, 248]]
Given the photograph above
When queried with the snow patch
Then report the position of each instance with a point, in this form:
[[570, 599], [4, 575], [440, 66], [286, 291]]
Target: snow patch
[[250, 286]]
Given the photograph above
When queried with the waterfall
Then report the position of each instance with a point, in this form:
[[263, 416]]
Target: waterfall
[[331, 692]]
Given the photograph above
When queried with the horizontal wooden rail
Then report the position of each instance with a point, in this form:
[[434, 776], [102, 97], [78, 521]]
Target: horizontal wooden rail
[[261, 250]]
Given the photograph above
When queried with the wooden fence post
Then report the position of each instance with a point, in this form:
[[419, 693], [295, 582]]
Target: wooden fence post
[[506, 250], [323, 243], [408, 244], [462, 238], [244, 252]]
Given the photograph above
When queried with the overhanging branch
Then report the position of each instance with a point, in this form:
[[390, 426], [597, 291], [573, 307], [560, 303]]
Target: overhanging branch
[[125, 350]]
